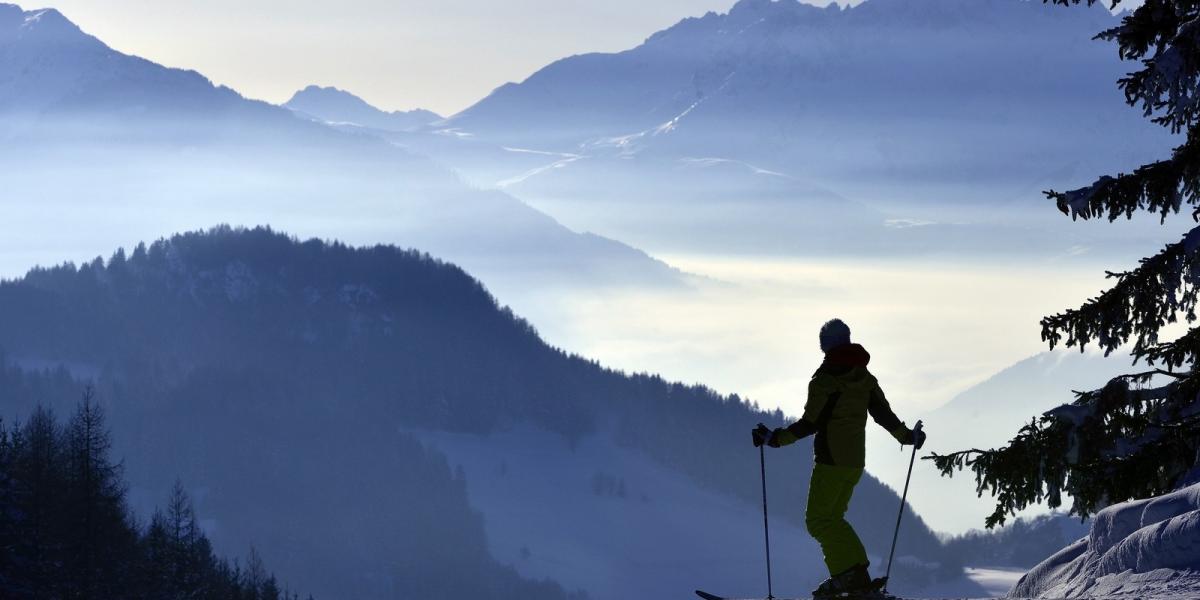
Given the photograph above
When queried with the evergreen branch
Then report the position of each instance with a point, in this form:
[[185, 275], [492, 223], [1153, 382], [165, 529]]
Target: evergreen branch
[[1184, 350], [1168, 373], [960, 456], [1117, 445], [1138, 305], [1167, 84], [1165, 36], [1160, 187], [1142, 377]]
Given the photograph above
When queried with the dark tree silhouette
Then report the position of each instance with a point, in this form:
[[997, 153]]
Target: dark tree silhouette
[[99, 542], [38, 484], [1125, 440], [65, 530]]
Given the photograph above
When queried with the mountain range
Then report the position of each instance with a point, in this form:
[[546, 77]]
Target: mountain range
[[915, 126], [948, 115], [101, 148]]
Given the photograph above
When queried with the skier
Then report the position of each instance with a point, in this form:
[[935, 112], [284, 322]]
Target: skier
[[840, 396]]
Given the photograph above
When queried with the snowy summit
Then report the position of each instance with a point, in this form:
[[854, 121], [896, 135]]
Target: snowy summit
[[331, 105]]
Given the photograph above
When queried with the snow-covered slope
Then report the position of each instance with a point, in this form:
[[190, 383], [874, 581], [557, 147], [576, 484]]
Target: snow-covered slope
[[1139, 549], [336, 106], [632, 535], [638, 530]]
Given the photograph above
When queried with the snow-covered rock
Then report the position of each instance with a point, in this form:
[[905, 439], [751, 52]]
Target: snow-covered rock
[[1143, 548]]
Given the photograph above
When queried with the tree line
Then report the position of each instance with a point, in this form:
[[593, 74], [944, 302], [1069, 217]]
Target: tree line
[[67, 532]]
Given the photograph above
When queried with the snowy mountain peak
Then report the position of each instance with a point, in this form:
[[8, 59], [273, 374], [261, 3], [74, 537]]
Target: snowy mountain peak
[[327, 97], [752, 5], [50, 22], [778, 7], [34, 17], [333, 105], [47, 63], [782, 15], [41, 26], [790, 56]]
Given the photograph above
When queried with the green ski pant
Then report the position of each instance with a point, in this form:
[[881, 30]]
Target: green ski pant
[[828, 498]]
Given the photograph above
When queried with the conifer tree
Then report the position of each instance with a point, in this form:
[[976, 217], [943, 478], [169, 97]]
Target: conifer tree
[[1126, 440], [39, 487], [66, 531], [254, 578], [156, 552], [8, 514], [98, 544]]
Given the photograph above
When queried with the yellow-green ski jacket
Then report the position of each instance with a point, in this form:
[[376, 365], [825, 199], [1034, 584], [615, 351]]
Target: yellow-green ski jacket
[[840, 396]]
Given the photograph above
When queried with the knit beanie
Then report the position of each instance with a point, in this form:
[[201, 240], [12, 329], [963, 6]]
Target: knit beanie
[[834, 333]]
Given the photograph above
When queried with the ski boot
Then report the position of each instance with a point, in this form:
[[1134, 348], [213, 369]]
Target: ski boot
[[852, 583], [877, 591]]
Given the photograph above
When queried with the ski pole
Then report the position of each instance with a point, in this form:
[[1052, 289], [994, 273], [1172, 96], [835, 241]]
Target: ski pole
[[903, 498], [762, 463]]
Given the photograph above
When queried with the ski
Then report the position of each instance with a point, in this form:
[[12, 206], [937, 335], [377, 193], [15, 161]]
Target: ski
[[707, 596], [872, 595]]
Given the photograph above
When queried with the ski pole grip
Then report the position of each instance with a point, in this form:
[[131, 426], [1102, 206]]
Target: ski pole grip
[[917, 427]]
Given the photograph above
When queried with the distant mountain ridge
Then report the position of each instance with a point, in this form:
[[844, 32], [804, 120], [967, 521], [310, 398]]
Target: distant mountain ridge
[[341, 107], [48, 65], [114, 147], [950, 112], [782, 56]]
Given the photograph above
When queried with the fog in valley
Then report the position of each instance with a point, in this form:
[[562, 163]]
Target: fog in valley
[[519, 348]]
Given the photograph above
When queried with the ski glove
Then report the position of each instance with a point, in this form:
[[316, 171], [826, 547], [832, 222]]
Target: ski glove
[[761, 435], [916, 437]]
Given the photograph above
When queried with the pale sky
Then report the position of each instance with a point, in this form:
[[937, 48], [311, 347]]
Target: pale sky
[[438, 54]]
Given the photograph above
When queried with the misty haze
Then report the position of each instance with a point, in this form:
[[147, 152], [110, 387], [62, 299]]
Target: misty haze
[[586, 333]]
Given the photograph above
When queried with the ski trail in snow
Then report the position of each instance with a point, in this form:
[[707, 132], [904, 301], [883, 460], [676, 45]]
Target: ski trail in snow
[[541, 152], [624, 143], [716, 160], [670, 125], [558, 164]]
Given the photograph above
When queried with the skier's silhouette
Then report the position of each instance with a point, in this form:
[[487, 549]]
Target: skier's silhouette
[[841, 394]]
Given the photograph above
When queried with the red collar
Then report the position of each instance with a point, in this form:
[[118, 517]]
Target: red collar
[[847, 356]]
